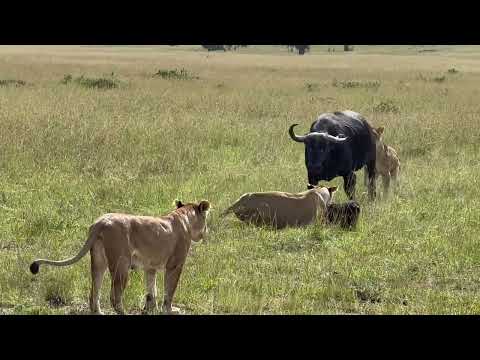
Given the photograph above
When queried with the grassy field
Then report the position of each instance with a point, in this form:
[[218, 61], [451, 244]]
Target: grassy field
[[70, 152]]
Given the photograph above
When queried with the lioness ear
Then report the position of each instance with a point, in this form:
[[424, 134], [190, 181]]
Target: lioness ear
[[331, 190], [204, 206], [310, 187], [178, 204], [380, 130]]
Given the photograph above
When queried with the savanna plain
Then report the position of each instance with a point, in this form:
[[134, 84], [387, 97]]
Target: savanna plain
[[91, 130]]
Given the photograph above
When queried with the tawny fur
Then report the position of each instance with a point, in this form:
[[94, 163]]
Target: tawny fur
[[281, 209], [121, 241], [387, 163]]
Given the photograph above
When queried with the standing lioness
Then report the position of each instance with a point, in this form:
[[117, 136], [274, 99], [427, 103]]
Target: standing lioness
[[121, 241], [387, 163]]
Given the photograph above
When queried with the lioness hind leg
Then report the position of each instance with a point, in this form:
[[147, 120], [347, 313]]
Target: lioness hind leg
[[365, 176], [372, 180], [386, 184], [151, 285], [172, 275], [98, 268], [119, 282], [394, 174]]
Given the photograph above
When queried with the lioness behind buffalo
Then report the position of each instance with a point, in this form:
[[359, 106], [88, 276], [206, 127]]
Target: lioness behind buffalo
[[121, 241], [387, 163], [282, 209]]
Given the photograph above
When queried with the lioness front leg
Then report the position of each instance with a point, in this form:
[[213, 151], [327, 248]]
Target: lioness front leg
[[172, 275], [349, 183], [151, 285]]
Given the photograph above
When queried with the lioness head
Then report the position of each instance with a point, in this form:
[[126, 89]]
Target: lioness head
[[202, 209], [198, 221], [325, 193], [378, 133]]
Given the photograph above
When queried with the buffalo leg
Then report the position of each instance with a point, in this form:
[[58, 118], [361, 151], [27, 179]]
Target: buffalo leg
[[349, 182], [371, 180]]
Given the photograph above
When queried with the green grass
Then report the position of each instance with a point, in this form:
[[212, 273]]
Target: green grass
[[71, 153]]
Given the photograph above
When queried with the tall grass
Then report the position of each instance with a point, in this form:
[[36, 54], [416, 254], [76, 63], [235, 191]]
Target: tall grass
[[72, 153]]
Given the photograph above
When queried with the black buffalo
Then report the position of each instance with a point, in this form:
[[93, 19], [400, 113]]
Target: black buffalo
[[346, 214], [339, 144]]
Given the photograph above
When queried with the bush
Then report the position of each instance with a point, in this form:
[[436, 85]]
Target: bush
[[215, 47], [311, 86], [99, 83], [181, 74], [15, 83], [356, 84], [92, 83], [435, 79], [58, 293], [66, 79], [386, 106]]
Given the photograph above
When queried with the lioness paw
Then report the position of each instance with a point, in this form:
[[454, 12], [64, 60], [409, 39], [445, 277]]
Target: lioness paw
[[173, 311]]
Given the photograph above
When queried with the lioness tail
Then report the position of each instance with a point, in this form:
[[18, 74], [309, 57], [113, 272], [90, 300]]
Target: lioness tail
[[93, 233]]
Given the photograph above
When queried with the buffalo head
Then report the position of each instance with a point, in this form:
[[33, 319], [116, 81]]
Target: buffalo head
[[318, 145]]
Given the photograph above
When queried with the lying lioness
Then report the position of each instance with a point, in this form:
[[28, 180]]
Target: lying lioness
[[387, 162], [121, 241], [281, 209]]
